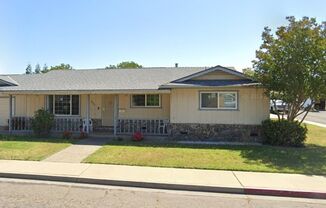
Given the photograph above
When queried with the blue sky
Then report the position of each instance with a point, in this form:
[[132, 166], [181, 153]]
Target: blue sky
[[94, 33]]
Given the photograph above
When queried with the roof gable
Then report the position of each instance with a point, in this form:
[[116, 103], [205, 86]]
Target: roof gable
[[213, 73], [7, 81], [217, 75]]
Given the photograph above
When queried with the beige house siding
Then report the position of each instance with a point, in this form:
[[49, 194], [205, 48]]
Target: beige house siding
[[126, 111], [26, 105], [95, 106], [4, 110], [217, 75], [181, 106], [253, 107]]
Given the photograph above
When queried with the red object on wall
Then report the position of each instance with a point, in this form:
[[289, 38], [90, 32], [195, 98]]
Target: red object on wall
[[137, 136]]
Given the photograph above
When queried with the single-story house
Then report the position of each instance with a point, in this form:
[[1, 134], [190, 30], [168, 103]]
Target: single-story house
[[215, 103]]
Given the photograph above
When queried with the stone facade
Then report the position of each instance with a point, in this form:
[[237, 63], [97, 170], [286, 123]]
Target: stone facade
[[215, 132], [97, 122]]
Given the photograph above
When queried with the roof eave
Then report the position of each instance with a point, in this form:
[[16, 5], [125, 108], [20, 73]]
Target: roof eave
[[122, 91]]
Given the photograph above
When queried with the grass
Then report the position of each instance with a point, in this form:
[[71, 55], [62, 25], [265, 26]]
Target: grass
[[29, 148], [308, 160]]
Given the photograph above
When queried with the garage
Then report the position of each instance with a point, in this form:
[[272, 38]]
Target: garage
[[4, 111]]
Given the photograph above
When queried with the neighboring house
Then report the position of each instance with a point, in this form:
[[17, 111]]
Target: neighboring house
[[214, 103]]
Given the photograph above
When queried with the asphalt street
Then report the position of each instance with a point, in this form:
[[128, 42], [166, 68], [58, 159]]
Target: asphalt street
[[29, 193]]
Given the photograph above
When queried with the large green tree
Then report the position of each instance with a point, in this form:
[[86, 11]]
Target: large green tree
[[249, 72], [125, 65], [291, 64]]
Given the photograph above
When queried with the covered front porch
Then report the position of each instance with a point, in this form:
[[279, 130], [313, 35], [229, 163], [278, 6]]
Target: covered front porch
[[108, 114]]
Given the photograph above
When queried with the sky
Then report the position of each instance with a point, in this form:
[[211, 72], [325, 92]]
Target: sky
[[94, 33]]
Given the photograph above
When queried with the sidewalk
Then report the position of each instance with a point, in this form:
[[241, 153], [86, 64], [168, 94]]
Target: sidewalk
[[295, 185], [304, 121], [77, 152]]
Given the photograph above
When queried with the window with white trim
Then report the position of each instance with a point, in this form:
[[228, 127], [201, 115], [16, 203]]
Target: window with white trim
[[219, 100], [146, 100], [67, 105]]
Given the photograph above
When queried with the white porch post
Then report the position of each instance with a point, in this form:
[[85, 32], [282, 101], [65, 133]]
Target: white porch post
[[115, 113], [10, 113], [87, 113]]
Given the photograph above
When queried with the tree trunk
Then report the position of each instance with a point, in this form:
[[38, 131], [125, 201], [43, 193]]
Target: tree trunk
[[309, 108]]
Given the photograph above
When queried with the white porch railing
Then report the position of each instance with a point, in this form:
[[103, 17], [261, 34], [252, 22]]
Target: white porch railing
[[20, 123], [74, 124], [146, 126]]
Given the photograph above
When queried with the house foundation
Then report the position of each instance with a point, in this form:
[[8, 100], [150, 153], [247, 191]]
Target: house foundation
[[215, 132]]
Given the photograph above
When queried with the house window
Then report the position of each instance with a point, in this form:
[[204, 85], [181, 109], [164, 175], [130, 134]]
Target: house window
[[63, 104], [146, 100], [227, 100], [218, 100], [209, 100], [138, 100]]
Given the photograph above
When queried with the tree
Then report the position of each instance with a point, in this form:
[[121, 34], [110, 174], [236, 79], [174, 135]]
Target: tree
[[129, 65], [111, 67], [45, 68], [62, 66], [291, 64], [249, 72], [37, 69], [29, 69], [125, 65]]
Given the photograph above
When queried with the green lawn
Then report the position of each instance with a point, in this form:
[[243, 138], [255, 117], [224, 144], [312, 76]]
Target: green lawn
[[29, 148], [308, 160]]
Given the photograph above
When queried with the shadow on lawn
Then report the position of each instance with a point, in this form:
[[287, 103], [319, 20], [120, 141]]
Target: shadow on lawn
[[31, 138], [309, 160]]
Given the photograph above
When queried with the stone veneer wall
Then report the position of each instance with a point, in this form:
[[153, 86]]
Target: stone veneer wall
[[97, 123], [215, 132]]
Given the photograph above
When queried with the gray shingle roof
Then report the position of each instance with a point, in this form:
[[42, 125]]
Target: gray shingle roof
[[100, 79]]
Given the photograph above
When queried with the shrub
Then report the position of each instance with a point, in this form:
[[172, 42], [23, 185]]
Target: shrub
[[67, 135], [283, 133], [137, 136], [42, 122], [82, 135]]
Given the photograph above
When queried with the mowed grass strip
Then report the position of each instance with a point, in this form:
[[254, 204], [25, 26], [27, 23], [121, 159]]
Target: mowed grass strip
[[29, 148], [308, 160]]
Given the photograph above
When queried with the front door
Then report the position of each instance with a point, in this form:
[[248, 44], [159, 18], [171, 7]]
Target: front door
[[107, 110]]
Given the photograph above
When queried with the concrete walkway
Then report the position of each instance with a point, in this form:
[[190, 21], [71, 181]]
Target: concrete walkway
[[170, 178], [78, 152]]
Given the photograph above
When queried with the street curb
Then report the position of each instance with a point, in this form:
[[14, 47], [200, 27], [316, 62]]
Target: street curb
[[285, 193], [183, 187]]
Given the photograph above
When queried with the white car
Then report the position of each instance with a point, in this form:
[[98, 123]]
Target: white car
[[280, 106]]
